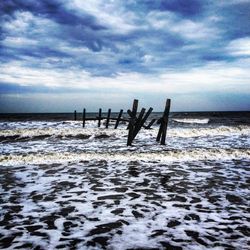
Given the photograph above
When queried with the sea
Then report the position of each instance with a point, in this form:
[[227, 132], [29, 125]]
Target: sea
[[65, 186]]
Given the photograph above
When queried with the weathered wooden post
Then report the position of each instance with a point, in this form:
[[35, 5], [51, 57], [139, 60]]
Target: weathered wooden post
[[165, 119], [75, 115], [133, 112], [161, 136], [150, 124], [141, 121], [99, 117], [136, 123], [108, 118], [118, 118], [131, 122], [83, 117]]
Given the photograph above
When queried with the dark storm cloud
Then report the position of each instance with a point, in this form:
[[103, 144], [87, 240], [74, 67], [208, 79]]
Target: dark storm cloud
[[185, 8], [78, 30], [52, 9], [9, 88], [85, 30], [146, 37], [236, 20]]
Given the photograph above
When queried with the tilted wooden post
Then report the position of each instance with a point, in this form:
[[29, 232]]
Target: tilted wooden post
[[131, 122], [150, 124], [75, 115], [136, 123], [118, 118], [141, 122], [161, 136], [133, 112], [108, 118], [83, 117], [135, 107], [99, 117]]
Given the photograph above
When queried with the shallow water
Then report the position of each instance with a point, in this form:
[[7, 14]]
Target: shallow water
[[66, 186]]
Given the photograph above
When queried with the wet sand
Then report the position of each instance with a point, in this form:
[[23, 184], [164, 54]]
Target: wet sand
[[109, 204]]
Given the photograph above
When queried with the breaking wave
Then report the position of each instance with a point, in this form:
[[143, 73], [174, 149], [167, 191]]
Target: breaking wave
[[86, 133], [192, 121], [165, 156]]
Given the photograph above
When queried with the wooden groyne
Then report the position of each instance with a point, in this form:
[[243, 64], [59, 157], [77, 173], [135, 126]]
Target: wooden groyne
[[136, 121]]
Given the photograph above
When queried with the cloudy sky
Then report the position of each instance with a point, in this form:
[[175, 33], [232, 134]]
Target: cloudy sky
[[61, 55]]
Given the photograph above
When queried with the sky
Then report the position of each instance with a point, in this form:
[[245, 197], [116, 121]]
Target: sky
[[62, 55]]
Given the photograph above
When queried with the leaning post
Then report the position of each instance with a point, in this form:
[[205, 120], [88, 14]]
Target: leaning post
[[99, 117], [83, 117], [75, 115], [150, 124], [161, 136], [118, 118], [132, 122], [108, 118], [165, 122], [141, 122]]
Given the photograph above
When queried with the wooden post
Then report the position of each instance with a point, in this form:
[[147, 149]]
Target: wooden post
[[75, 115], [150, 124], [83, 117], [161, 136], [159, 132], [118, 118], [132, 122], [141, 122], [137, 123], [135, 107], [165, 123], [130, 130], [134, 111], [99, 117], [108, 118]]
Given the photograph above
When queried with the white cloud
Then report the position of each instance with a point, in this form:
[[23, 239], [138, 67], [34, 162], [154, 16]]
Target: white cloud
[[217, 77], [18, 42], [108, 13], [24, 23], [161, 20], [20, 22], [231, 2], [28, 31], [239, 47], [168, 21], [147, 59]]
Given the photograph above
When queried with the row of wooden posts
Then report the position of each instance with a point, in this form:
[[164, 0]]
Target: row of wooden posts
[[135, 121]]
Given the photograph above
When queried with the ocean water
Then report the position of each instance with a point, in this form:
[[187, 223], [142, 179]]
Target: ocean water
[[67, 187]]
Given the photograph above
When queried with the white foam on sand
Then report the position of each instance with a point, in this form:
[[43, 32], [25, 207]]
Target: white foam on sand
[[129, 205]]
